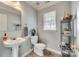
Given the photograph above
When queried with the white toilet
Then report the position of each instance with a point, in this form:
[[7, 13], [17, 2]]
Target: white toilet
[[38, 47]]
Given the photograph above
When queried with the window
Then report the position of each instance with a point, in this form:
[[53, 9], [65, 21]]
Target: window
[[50, 21]]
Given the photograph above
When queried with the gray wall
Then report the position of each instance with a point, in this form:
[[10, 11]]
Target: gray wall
[[52, 38], [28, 16]]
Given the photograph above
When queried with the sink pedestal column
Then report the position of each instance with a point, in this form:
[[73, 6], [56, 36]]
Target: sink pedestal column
[[15, 51]]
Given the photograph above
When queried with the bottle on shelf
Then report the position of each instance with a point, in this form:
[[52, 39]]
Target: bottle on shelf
[[67, 31]]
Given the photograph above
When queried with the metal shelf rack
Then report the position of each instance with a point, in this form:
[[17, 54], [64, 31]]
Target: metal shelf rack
[[67, 37]]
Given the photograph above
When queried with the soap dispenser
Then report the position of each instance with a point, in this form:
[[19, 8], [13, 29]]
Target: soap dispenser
[[5, 37]]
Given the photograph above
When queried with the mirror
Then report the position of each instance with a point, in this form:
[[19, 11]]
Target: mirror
[[10, 20]]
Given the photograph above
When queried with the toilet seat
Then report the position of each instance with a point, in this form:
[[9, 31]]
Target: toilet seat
[[40, 45]]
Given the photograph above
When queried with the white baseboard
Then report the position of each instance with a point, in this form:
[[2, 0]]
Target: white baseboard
[[27, 53], [49, 49], [52, 50]]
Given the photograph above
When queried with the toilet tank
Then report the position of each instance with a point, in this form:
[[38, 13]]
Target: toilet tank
[[34, 39]]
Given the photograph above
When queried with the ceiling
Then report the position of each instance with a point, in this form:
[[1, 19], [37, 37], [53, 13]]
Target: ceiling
[[14, 4], [10, 3], [38, 5]]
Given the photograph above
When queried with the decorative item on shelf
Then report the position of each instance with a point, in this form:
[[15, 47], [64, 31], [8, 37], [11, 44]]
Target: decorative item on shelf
[[68, 46], [65, 46], [5, 37], [67, 31], [67, 16], [63, 43]]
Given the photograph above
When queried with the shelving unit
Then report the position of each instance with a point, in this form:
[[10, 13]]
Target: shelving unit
[[67, 37]]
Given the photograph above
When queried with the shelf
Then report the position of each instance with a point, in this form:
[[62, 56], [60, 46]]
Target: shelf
[[66, 51], [65, 55], [66, 33], [65, 21], [65, 48]]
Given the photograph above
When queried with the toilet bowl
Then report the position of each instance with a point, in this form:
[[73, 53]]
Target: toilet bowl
[[38, 47]]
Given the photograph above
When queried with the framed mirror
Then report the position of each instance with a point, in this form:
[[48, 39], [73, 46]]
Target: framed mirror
[[10, 20]]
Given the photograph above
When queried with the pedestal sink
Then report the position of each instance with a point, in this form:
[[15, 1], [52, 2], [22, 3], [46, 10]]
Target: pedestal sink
[[14, 44]]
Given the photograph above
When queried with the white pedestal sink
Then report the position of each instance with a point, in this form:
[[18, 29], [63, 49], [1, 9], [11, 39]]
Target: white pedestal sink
[[14, 44]]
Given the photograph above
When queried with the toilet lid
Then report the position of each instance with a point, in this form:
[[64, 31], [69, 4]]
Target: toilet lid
[[40, 45]]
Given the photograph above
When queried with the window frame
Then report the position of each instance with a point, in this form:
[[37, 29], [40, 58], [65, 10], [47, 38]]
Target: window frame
[[50, 14]]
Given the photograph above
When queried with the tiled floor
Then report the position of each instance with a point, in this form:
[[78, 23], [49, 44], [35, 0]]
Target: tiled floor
[[46, 54]]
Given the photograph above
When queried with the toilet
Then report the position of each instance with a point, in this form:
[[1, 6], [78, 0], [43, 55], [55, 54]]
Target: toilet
[[38, 47]]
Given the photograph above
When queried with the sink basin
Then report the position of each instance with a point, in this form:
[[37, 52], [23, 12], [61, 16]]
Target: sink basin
[[14, 44], [10, 43]]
